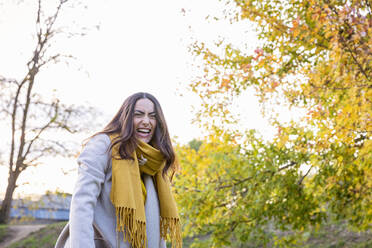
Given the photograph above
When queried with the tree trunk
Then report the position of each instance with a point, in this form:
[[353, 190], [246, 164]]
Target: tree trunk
[[7, 202]]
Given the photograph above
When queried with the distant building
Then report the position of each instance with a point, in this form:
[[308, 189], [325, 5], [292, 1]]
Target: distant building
[[49, 207]]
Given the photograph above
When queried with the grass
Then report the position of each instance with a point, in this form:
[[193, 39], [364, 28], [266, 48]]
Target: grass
[[44, 238], [333, 235], [336, 235], [3, 232], [329, 235]]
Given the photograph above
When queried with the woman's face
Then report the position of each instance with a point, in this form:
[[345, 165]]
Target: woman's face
[[144, 120]]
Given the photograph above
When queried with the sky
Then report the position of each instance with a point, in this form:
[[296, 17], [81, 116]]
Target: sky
[[128, 46]]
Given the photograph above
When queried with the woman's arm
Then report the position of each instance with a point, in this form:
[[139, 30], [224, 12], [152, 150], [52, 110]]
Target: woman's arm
[[93, 163]]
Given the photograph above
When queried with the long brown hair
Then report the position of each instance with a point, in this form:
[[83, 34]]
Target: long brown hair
[[122, 124]]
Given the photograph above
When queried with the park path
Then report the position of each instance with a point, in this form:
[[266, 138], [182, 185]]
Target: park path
[[18, 232]]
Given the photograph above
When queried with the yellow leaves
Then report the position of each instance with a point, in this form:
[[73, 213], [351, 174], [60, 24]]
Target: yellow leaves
[[283, 139], [366, 149], [259, 52], [331, 61], [246, 67], [225, 83], [295, 29], [274, 84], [261, 63], [358, 187]]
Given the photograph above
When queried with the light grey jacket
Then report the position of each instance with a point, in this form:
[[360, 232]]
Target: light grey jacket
[[91, 201]]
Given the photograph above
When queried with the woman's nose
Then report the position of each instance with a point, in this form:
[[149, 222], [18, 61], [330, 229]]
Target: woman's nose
[[146, 120]]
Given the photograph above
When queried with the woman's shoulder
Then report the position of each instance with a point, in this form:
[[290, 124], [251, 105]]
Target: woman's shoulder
[[99, 141], [101, 137], [96, 153]]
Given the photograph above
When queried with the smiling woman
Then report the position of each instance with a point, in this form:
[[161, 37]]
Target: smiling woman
[[123, 186], [144, 120]]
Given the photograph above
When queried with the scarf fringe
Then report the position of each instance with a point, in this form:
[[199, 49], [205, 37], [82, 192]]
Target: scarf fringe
[[171, 227], [134, 231]]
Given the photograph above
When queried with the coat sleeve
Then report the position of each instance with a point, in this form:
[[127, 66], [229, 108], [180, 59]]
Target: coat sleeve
[[93, 163]]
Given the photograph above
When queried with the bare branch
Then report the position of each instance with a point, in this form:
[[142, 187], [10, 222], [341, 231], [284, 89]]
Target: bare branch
[[303, 177], [14, 116], [51, 59], [8, 80], [344, 42], [27, 109], [42, 129], [240, 181]]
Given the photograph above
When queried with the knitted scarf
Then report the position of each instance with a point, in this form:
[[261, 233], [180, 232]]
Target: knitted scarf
[[127, 196]]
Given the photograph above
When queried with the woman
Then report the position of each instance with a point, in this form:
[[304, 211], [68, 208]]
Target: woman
[[123, 196]]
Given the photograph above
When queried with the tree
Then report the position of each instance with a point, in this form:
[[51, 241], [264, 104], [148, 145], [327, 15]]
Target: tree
[[32, 118], [315, 55], [241, 193]]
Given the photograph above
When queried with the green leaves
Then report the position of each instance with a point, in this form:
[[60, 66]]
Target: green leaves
[[316, 56], [233, 192]]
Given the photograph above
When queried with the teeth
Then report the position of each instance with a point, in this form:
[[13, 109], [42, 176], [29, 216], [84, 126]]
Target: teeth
[[142, 130]]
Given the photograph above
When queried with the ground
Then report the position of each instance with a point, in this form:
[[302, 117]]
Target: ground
[[18, 232], [334, 235]]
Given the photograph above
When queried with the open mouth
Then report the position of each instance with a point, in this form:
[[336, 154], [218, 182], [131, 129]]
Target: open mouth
[[143, 131]]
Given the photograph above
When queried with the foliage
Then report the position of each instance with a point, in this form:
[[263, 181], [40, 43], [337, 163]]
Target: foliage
[[236, 191], [44, 238], [33, 120], [195, 144], [3, 232], [252, 194], [313, 55]]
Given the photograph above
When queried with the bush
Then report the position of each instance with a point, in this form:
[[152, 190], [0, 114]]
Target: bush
[[3, 232]]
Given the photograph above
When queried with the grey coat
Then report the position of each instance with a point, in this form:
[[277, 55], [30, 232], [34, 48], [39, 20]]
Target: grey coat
[[91, 201]]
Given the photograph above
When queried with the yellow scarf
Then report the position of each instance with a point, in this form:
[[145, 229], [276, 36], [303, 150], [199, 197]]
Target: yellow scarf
[[127, 196]]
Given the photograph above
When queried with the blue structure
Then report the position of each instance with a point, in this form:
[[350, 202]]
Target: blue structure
[[50, 207]]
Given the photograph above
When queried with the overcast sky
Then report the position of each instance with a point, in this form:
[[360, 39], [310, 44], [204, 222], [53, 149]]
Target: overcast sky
[[130, 46]]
